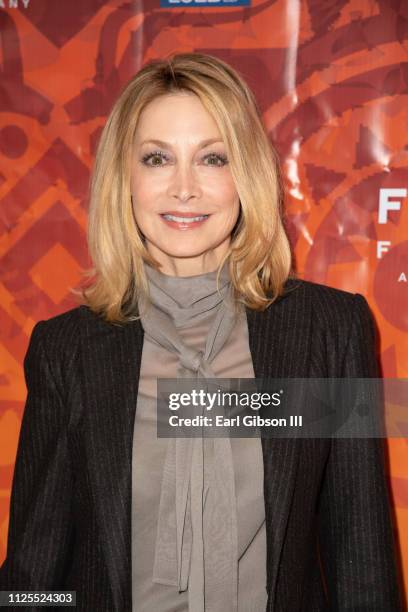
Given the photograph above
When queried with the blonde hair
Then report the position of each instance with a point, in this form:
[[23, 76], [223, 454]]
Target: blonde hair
[[259, 252]]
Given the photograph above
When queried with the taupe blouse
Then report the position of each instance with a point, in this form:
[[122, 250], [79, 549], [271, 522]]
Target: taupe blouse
[[149, 452]]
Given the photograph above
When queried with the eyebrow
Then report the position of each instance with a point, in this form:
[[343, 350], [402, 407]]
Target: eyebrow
[[162, 143]]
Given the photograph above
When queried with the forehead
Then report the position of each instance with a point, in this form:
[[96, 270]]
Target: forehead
[[175, 115]]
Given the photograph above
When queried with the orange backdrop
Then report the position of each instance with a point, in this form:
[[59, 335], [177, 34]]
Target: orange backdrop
[[331, 79]]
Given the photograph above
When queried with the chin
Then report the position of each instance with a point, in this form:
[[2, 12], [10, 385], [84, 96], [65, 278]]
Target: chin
[[184, 245], [183, 252], [181, 248]]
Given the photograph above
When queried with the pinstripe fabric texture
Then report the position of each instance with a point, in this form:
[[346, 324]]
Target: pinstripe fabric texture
[[329, 532]]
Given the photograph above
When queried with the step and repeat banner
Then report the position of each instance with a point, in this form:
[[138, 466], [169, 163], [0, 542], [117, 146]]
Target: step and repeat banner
[[331, 79]]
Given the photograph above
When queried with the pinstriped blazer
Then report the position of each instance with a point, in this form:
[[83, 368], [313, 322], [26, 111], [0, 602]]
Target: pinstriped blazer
[[329, 532]]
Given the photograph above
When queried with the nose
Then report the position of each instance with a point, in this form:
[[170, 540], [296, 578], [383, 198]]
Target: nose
[[184, 184]]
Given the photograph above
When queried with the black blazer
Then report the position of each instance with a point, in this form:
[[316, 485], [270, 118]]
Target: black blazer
[[326, 501]]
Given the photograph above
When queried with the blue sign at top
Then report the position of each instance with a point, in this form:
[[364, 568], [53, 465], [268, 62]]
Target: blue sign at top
[[203, 3]]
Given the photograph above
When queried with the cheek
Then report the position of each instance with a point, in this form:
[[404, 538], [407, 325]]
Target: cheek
[[225, 190], [143, 194], [227, 195], [226, 219], [141, 185]]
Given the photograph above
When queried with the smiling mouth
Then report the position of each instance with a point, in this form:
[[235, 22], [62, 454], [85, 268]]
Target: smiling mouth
[[182, 219]]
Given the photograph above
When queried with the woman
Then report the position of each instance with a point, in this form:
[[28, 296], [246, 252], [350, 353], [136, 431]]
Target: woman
[[130, 521]]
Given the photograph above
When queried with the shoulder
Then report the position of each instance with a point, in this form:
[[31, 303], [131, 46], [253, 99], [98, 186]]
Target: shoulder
[[324, 301], [57, 344], [342, 326], [56, 341], [67, 327], [321, 295], [60, 336], [59, 331], [331, 311]]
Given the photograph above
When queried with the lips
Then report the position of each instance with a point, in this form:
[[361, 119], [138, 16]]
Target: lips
[[184, 223], [176, 213]]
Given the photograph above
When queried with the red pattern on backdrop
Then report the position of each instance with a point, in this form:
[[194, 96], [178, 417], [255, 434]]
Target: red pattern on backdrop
[[332, 82]]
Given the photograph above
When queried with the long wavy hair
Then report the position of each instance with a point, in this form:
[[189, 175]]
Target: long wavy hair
[[259, 256]]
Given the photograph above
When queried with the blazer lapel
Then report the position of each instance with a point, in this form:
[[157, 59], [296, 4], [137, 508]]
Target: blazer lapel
[[279, 339], [112, 355]]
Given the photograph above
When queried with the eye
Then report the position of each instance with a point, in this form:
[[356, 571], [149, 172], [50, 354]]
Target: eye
[[153, 155], [218, 158]]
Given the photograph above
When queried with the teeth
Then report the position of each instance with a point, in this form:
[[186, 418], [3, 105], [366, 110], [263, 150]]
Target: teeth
[[184, 219]]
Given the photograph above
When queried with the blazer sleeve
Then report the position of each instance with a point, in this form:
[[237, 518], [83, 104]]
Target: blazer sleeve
[[355, 529], [40, 525]]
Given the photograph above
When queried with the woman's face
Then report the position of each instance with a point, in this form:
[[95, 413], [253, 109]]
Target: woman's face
[[182, 175]]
